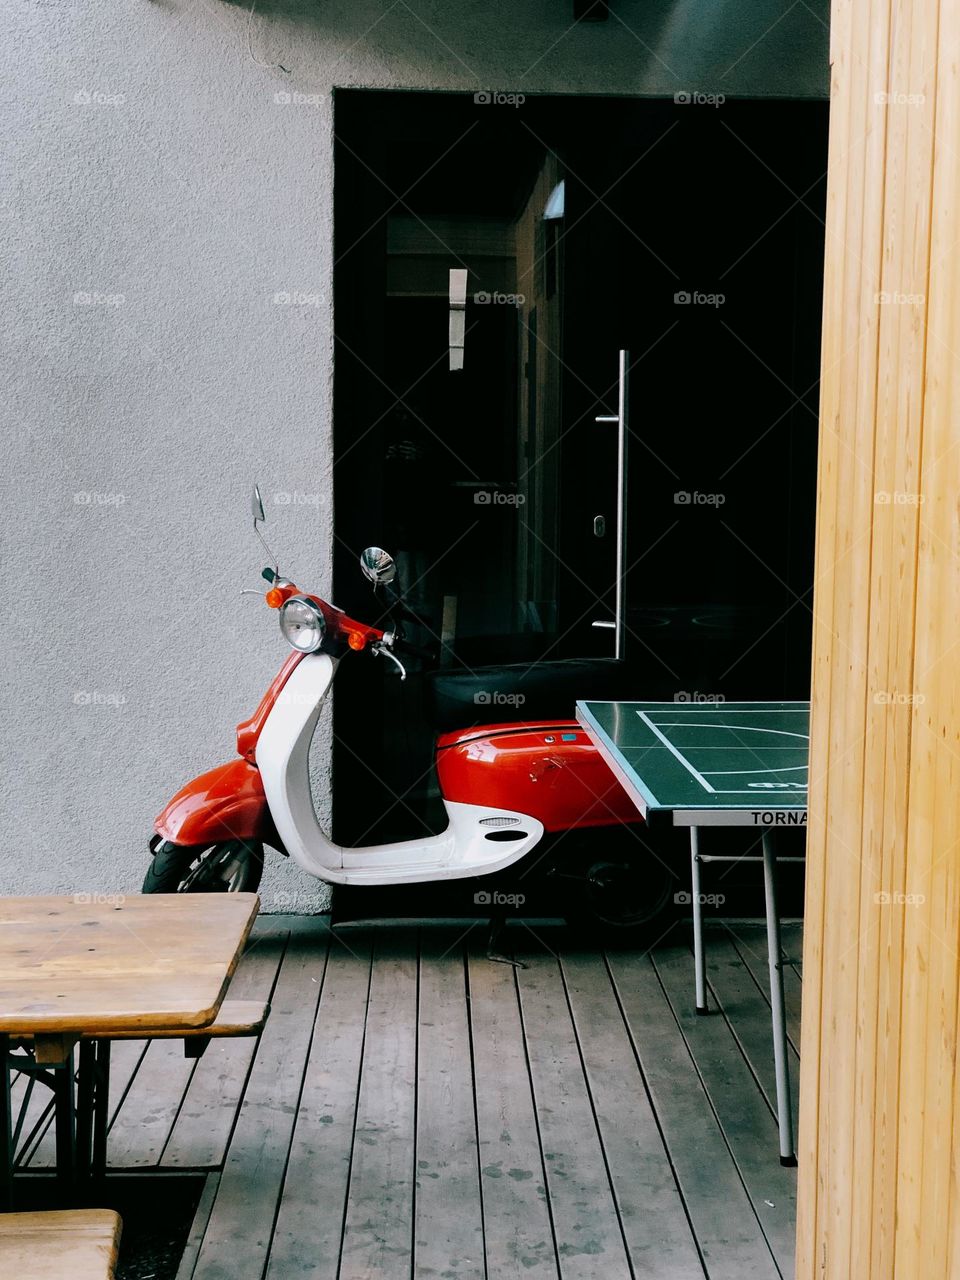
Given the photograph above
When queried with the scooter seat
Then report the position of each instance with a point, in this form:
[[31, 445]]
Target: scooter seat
[[461, 699]]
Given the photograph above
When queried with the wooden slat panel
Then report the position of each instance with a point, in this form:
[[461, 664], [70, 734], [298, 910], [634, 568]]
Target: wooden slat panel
[[658, 1233], [887, 809], [318, 1170], [518, 1233], [448, 1231], [834, 374], [587, 1227], [377, 1236], [925, 1113], [847, 613], [936, 669], [191, 1250]]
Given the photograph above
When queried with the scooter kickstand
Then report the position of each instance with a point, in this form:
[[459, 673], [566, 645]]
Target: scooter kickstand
[[498, 923]]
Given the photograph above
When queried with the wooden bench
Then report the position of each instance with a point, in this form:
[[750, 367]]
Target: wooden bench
[[236, 1018], [64, 1244]]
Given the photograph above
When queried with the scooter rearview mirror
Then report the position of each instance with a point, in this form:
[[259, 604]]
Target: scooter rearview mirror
[[378, 566], [257, 505], [259, 518]]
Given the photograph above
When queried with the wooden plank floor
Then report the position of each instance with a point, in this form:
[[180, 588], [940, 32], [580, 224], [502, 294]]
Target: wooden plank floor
[[415, 1110]]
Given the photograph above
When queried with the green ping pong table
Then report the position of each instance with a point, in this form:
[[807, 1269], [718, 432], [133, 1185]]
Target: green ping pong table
[[717, 764]]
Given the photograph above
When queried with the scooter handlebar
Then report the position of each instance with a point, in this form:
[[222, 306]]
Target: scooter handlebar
[[400, 645]]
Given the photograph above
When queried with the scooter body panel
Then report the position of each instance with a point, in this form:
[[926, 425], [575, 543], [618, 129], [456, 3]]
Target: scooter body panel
[[227, 803], [248, 731], [478, 840], [549, 769]]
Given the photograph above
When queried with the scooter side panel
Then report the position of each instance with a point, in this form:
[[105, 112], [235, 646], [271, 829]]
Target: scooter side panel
[[550, 770], [228, 803]]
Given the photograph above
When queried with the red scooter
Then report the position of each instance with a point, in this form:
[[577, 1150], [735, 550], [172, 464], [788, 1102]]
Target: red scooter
[[517, 795]]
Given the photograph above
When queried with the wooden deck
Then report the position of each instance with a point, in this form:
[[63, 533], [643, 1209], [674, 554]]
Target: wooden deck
[[414, 1110]]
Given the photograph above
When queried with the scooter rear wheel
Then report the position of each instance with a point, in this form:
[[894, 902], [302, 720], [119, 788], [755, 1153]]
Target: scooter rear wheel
[[626, 892], [235, 866]]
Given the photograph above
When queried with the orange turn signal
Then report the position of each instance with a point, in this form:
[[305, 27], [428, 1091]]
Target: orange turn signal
[[275, 597], [356, 641]]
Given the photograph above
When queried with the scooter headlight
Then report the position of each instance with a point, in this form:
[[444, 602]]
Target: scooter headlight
[[302, 624]]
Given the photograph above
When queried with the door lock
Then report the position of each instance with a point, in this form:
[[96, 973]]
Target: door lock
[[599, 526]]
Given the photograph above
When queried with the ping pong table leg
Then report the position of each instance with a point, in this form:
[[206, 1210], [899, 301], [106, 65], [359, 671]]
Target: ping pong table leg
[[777, 1013], [699, 967]]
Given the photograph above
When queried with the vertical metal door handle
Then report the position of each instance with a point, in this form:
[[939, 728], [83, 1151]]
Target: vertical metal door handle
[[620, 418]]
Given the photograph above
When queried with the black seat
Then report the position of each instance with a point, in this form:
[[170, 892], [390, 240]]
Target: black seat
[[459, 699]]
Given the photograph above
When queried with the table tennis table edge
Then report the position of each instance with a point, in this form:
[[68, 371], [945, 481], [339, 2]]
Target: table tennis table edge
[[644, 800]]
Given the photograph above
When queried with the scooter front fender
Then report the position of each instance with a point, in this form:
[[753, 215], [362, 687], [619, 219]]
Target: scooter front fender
[[228, 803]]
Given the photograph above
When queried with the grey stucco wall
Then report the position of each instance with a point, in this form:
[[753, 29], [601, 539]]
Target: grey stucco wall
[[156, 198]]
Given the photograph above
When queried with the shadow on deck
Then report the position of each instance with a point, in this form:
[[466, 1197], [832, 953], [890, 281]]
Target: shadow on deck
[[414, 1110]]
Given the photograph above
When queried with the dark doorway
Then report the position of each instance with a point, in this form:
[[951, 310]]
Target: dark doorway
[[686, 233]]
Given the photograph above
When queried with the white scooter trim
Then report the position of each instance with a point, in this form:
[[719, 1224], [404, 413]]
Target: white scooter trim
[[472, 845]]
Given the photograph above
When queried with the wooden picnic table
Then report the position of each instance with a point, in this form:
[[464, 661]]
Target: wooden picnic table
[[91, 965]]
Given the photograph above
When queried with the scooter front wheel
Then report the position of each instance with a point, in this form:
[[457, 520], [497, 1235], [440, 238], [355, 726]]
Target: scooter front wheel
[[234, 866]]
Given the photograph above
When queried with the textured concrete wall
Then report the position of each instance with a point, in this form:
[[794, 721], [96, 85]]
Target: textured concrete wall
[[157, 198]]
